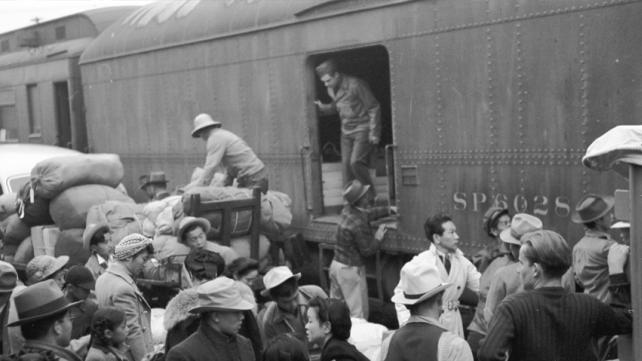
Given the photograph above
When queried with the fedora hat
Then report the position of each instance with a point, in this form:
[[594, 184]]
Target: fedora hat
[[354, 191], [203, 121], [187, 222], [419, 281], [42, 267], [220, 294], [591, 208], [8, 277], [277, 276], [90, 231], [39, 301], [152, 178], [521, 224]]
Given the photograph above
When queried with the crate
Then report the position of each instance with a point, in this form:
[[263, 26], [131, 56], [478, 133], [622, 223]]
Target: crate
[[44, 239]]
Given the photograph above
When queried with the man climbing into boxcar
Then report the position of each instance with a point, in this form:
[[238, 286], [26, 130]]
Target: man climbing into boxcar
[[226, 150], [360, 115], [355, 241]]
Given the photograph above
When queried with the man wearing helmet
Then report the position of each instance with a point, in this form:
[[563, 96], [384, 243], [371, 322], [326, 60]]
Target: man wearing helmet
[[226, 150]]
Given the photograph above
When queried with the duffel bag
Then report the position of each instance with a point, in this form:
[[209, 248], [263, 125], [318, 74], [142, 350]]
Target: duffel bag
[[70, 244], [7, 205], [16, 231], [32, 208], [70, 208], [25, 252], [53, 176], [122, 218]]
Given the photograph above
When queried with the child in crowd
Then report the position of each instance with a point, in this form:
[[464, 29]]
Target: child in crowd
[[108, 334]]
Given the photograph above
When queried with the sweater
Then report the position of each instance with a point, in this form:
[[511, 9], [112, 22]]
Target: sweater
[[550, 324]]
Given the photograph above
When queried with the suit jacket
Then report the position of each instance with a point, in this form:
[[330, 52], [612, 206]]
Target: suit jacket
[[117, 288], [207, 344], [340, 350]]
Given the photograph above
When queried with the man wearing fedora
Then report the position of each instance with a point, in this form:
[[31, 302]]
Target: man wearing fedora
[[45, 321], [117, 288], [286, 313], [154, 185], [220, 308], [423, 337], [453, 267], [355, 241], [226, 150], [590, 254]]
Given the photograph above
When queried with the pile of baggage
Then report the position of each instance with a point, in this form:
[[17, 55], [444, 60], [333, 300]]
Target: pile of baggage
[[65, 194], [61, 192]]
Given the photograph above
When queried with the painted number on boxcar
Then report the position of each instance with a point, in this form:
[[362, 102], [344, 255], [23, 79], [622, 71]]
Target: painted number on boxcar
[[539, 205]]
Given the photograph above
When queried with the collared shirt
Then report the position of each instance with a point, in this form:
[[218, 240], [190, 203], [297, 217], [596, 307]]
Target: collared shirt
[[355, 239], [463, 274], [590, 263], [357, 107], [227, 150], [97, 265]]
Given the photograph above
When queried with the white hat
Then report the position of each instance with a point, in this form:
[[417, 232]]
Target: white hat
[[620, 225], [277, 276], [420, 280], [201, 122], [521, 224], [220, 294]]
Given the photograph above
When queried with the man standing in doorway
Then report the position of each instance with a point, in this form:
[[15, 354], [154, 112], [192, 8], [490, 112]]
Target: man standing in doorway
[[360, 115]]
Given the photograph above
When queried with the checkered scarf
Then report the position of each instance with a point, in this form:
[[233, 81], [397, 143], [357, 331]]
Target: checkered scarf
[[130, 245]]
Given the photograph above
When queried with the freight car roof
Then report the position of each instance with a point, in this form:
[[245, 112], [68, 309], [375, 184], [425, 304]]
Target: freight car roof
[[171, 23]]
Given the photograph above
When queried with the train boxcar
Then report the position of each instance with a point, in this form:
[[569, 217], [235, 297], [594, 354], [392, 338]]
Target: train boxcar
[[483, 101], [40, 88]]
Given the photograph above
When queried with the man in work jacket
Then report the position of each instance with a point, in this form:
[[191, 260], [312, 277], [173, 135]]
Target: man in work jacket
[[355, 241], [117, 288], [590, 253], [360, 115], [226, 150], [453, 267]]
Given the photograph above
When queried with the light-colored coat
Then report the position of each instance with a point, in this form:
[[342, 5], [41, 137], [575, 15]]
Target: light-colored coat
[[462, 274], [116, 288]]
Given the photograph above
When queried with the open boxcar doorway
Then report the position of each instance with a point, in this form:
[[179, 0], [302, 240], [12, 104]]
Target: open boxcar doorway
[[370, 64]]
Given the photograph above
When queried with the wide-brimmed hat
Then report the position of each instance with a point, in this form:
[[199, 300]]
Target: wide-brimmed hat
[[130, 245], [8, 277], [39, 301], [188, 221], [203, 121], [275, 277], [152, 178], [42, 267], [354, 191], [491, 215], [521, 224], [90, 231], [81, 276], [419, 281], [591, 208], [220, 294]]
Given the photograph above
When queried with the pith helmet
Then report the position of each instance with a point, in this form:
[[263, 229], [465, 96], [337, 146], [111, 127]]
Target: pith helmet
[[203, 121]]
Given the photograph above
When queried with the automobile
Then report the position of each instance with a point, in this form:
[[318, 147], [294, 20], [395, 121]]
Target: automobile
[[18, 159]]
